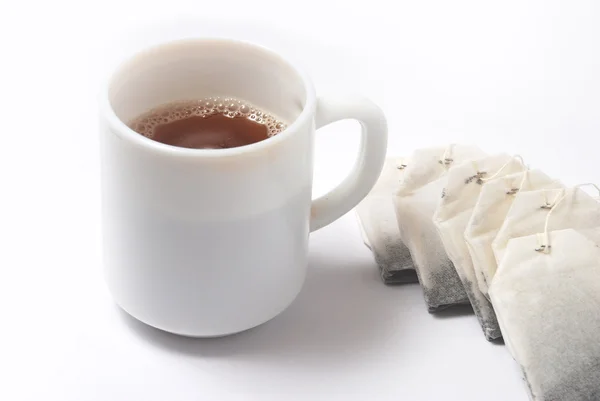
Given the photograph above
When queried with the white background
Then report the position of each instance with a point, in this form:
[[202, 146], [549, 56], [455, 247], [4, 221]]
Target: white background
[[514, 75]]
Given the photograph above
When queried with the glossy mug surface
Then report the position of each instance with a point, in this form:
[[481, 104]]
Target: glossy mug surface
[[210, 242]]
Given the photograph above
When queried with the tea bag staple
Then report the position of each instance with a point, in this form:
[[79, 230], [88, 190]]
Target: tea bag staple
[[415, 202], [546, 293], [379, 227], [452, 216], [494, 202]]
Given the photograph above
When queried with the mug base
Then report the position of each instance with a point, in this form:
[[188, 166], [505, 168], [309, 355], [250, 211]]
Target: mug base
[[207, 334]]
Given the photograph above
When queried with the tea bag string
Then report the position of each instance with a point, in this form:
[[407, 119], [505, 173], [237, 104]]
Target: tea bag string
[[447, 159], [525, 176], [515, 190], [545, 243], [501, 169]]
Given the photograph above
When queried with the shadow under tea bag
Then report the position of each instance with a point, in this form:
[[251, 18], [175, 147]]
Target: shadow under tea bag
[[527, 215], [379, 227], [548, 307], [415, 201], [489, 213], [452, 216]]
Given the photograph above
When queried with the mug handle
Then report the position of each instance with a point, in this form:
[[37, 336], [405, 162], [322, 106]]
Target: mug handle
[[369, 163]]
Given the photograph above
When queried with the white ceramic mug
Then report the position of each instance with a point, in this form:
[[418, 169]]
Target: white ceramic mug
[[210, 242]]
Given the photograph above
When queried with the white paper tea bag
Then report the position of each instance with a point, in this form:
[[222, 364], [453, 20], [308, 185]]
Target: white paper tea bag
[[452, 216], [416, 201], [548, 307], [527, 215], [489, 213], [377, 220]]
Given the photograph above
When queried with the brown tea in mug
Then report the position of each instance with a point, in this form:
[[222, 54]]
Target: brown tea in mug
[[209, 123]]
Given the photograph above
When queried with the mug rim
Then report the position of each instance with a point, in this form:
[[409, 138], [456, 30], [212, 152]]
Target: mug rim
[[119, 128]]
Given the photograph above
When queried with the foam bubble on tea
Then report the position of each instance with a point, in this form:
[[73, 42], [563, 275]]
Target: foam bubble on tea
[[208, 123]]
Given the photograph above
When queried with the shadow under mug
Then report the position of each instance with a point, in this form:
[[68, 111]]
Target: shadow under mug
[[210, 242]]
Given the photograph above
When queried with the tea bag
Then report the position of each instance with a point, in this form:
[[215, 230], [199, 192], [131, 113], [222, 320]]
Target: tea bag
[[489, 213], [527, 215], [546, 296], [452, 216], [415, 202], [377, 220]]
